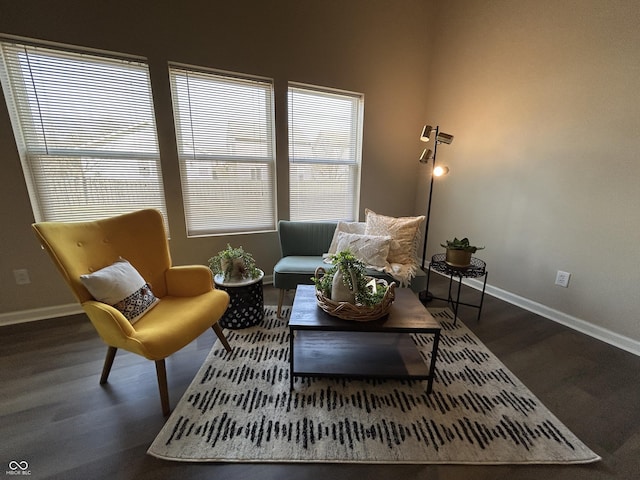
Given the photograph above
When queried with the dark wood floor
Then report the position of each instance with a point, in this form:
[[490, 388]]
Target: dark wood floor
[[55, 415]]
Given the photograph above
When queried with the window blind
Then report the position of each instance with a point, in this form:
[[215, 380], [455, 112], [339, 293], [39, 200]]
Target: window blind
[[226, 150], [325, 150], [85, 130]]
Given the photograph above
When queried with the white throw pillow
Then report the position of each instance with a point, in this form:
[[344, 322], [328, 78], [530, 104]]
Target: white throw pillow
[[121, 286], [345, 227], [405, 232], [372, 250]]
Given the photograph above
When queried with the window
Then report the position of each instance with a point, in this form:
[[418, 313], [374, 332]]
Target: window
[[85, 130], [226, 150], [325, 150]]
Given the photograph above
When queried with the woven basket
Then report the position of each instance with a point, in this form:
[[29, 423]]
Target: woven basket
[[358, 313]]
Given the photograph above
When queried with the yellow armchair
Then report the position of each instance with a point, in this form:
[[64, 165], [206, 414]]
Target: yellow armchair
[[189, 302]]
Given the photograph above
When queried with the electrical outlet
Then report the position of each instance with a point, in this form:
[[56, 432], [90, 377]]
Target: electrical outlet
[[22, 276], [562, 278]]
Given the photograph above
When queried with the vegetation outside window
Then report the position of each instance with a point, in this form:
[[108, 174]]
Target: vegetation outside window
[[325, 151], [85, 130], [226, 150]]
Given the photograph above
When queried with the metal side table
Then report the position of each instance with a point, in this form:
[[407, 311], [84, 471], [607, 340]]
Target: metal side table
[[477, 269]]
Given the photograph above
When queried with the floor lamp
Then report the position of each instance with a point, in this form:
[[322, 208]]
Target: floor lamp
[[429, 156]]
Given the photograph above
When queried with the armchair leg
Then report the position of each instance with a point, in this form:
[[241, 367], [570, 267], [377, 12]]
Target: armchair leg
[[161, 372], [280, 300], [108, 362], [218, 329]]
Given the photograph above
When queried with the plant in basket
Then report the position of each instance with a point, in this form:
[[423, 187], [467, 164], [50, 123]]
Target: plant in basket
[[347, 281]]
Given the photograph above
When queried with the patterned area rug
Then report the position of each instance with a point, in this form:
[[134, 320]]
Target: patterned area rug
[[239, 409]]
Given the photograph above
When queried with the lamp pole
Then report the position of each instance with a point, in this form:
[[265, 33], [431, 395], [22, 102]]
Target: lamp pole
[[426, 227], [427, 296]]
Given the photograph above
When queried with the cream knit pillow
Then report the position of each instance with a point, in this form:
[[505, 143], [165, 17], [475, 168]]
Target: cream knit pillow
[[404, 232], [372, 250], [345, 227]]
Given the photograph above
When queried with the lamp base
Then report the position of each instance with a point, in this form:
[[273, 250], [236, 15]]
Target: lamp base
[[425, 296]]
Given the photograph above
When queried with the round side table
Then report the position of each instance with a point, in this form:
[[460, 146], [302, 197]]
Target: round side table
[[246, 302], [478, 268]]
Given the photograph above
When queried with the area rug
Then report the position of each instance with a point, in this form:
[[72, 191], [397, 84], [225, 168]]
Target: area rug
[[239, 408]]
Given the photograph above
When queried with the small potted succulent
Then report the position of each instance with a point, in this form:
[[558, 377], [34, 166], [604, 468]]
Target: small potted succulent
[[234, 264], [459, 252]]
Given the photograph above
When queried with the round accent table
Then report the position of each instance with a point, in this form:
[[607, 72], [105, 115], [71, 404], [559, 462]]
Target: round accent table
[[478, 268], [246, 302]]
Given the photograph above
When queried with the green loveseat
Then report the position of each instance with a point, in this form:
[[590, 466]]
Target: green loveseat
[[302, 245]]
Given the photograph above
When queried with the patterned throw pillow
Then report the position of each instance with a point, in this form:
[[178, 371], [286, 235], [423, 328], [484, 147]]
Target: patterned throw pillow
[[404, 231], [121, 286], [136, 305], [370, 249]]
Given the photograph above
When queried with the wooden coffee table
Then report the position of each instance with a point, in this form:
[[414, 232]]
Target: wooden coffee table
[[322, 345]]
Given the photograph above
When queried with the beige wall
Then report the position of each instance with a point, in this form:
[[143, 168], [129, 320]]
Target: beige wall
[[376, 47], [542, 97]]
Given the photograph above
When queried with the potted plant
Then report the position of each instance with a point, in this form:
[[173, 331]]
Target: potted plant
[[346, 281], [234, 264], [459, 252]]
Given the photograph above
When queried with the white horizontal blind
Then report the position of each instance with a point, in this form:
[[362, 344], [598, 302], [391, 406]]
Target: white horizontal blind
[[85, 130], [325, 151], [226, 149]]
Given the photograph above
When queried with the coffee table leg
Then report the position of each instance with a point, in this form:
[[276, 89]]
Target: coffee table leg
[[290, 359], [432, 366]]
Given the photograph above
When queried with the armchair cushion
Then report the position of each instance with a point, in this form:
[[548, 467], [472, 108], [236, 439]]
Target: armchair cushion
[[176, 321], [121, 286]]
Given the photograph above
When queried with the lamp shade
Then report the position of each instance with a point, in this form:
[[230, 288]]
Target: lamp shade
[[427, 154], [426, 132], [444, 138]]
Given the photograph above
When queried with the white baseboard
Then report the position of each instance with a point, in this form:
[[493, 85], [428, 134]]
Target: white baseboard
[[43, 313], [612, 338]]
